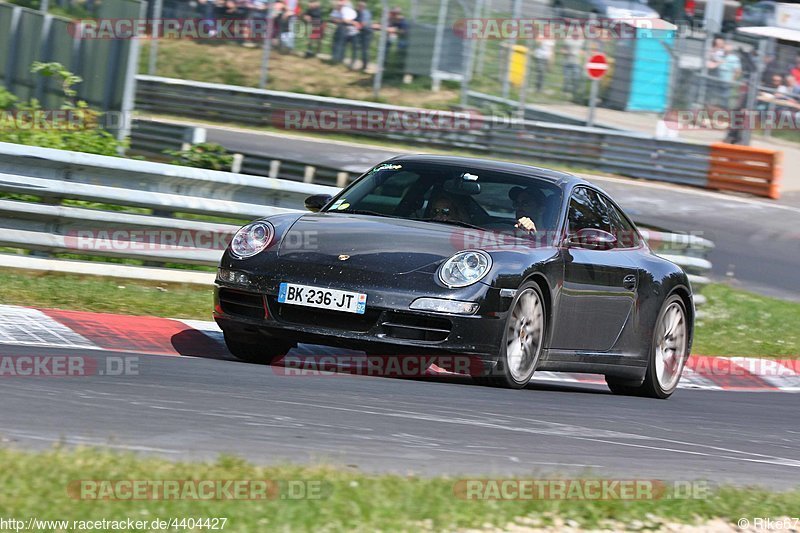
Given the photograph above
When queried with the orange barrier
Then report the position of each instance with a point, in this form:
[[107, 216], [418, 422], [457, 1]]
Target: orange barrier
[[745, 169]]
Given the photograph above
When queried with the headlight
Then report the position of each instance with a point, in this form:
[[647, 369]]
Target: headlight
[[233, 276], [252, 239], [444, 306], [465, 268]]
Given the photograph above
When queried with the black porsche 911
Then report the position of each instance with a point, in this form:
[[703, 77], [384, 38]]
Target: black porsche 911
[[525, 268]]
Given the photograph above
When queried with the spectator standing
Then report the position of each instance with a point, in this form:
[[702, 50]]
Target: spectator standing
[[275, 22], [349, 18], [364, 19], [344, 16], [396, 44], [770, 70], [234, 11], [792, 86], [796, 70], [257, 13], [728, 71], [542, 57], [287, 20], [338, 33], [206, 11], [398, 30], [714, 59], [572, 51], [313, 18]]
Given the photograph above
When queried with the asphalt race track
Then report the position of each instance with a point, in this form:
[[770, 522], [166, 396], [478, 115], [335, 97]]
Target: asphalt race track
[[757, 241], [187, 407]]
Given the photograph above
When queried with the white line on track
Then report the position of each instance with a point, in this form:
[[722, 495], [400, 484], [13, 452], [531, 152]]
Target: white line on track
[[741, 455], [84, 441]]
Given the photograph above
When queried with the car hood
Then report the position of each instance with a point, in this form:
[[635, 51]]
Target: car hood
[[370, 243], [376, 244]]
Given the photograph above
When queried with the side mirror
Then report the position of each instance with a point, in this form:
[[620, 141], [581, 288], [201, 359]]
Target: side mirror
[[591, 239], [316, 202]]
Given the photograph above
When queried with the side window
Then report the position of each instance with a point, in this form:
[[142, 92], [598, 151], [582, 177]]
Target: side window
[[621, 228], [587, 211]]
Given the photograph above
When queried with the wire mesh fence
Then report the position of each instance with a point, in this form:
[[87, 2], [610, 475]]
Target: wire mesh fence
[[659, 69]]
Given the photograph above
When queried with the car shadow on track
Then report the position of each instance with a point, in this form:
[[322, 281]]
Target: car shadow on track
[[210, 345], [195, 343]]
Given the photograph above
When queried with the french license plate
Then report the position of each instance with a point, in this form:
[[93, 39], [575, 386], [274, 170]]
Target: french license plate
[[350, 302]]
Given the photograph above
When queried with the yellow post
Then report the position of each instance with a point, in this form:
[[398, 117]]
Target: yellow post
[[518, 62]]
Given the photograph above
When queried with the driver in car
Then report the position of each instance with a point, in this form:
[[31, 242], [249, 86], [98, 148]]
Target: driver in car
[[529, 204], [444, 208]]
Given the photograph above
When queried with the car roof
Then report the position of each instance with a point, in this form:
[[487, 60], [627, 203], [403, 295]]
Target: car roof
[[563, 179]]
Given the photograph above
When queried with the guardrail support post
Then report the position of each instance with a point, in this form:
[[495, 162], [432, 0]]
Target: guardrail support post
[[236, 166], [341, 179], [308, 174], [274, 168]]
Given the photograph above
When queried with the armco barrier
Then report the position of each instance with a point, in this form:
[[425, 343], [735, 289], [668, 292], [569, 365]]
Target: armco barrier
[[152, 137], [745, 169], [49, 227], [625, 153]]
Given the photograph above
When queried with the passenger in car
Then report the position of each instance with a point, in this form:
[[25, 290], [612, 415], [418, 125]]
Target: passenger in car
[[529, 204]]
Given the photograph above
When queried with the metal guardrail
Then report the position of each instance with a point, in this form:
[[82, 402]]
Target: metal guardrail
[[591, 147], [163, 191], [625, 153], [167, 193], [532, 112], [153, 137]]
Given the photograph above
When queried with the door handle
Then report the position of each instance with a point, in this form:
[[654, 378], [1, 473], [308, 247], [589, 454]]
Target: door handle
[[629, 282]]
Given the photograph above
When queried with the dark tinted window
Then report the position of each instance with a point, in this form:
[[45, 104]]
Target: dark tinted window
[[586, 210], [621, 227], [422, 191]]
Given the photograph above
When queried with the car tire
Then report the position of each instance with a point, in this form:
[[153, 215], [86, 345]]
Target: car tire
[[524, 338], [263, 353], [667, 356]]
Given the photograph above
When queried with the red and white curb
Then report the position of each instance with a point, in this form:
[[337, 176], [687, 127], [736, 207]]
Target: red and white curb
[[55, 328]]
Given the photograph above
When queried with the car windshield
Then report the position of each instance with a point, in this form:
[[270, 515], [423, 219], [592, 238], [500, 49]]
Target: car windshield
[[453, 194]]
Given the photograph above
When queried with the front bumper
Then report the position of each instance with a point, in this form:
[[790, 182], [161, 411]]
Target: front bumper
[[387, 327]]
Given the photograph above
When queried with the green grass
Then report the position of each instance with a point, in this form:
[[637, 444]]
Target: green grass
[[736, 322], [733, 322], [105, 295], [36, 484]]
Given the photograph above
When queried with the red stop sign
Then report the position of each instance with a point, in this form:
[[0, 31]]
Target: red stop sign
[[597, 66]]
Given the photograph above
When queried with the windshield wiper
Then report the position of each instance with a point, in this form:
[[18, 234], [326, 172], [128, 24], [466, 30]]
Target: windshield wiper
[[453, 222]]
